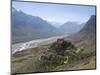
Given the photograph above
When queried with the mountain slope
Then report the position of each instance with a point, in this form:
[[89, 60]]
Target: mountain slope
[[26, 27], [86, 37]]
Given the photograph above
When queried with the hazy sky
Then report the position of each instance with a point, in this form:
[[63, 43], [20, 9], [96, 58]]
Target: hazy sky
[[55, 12]]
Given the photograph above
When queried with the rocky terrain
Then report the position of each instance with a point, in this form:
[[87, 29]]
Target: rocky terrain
[[57, 56]]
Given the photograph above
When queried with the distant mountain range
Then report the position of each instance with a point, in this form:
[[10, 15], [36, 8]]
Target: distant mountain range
[[86, 37], [71, 27], [27, 27], [56, 24]]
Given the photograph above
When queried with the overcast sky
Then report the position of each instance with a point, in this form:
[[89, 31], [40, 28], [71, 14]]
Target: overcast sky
[[56, 12]]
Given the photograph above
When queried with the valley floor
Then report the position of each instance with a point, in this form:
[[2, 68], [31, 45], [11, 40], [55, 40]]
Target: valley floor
[[26, 61]]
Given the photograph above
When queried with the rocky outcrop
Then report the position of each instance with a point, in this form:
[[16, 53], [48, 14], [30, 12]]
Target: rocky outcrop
[[58, 53]]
